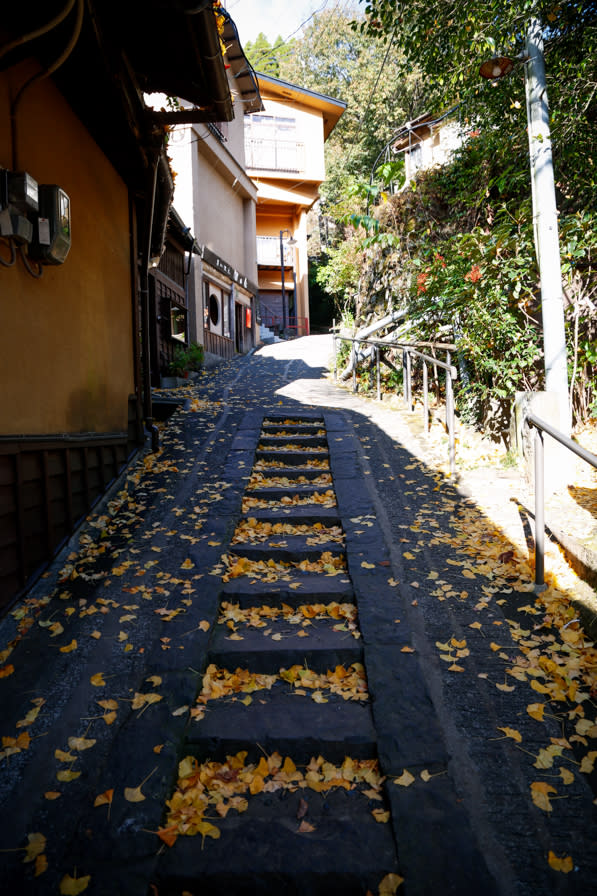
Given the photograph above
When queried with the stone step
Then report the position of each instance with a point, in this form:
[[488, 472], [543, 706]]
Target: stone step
[[322, 649], [278, 492], [280, 721], [295, 549], [302, 515], [310, 588], [278, 441], [262, 852], [293, 474]]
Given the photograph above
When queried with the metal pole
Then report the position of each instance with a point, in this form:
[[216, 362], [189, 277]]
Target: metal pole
[[283, 282], [408, 380], [546, 224], [354, 367], [378, 372], [539, 512], [448, 379], [425, 400]]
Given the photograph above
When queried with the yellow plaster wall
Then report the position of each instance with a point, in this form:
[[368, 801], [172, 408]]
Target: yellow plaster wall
[[222, 218], [309, 131], [66, 359]]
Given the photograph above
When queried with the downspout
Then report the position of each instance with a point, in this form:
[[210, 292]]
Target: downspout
[[144, 294]]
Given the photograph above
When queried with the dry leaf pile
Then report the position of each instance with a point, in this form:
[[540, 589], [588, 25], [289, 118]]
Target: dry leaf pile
[[253, 531], [304, 615], [232, 567], [218, 683], [258, 480], [204, 792], [321, 499]]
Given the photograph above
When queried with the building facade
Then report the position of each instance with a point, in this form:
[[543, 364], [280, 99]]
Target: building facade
[[85, 194], [217, 199], [284, 152]]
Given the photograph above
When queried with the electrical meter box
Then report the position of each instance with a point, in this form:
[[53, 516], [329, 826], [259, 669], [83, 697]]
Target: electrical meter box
[[52, 230]]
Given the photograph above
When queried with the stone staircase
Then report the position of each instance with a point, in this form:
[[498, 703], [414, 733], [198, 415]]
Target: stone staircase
[[315, 832]]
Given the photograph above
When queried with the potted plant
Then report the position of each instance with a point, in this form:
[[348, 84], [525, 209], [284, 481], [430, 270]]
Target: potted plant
[[179, 365]]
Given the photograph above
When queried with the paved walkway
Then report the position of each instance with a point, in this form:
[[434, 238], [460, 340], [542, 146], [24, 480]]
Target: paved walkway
[[480, 700]]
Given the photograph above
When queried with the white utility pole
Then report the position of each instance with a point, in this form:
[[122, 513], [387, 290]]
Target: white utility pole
[[545, 222]]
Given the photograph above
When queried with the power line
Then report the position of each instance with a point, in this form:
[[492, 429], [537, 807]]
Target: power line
[[364, 116]]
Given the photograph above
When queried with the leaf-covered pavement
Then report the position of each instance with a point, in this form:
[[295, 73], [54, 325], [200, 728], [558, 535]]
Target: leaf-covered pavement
[[95, 700]]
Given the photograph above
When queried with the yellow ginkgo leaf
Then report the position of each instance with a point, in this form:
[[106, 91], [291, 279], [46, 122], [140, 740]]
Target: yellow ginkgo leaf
[[81, 743], [513, 733], [381, 815], [72, 886], [188, 564], [540, 792], [104, 799], [68, 648], [366, 565], [36, 844], [98, 680], [390, 884], [155, 680], [41, 864], [67, 775], [405, 779], [63, 756], [564, 864], [536, 710], [134, 794]]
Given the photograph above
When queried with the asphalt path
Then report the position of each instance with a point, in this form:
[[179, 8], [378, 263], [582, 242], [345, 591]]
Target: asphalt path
[[497, 802]]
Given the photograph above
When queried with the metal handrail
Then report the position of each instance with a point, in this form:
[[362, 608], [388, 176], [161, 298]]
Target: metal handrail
[[408, 351], [542, 426]]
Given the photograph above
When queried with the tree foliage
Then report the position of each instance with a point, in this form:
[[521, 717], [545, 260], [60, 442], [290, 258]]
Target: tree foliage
[[265, 57], [334, 59], [449, 39]]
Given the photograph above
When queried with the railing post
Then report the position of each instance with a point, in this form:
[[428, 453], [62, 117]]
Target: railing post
[[425, 400], [354, 366], [409, 381], [539, 512], [335, 351], [404, 377], [450, 421], [378, 374]]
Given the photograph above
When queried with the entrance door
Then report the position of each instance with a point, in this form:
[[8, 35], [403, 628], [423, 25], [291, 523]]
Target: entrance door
[[239, 327]]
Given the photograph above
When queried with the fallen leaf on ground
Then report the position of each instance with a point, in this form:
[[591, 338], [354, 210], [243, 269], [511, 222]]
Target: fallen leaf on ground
[[104, 799], [134, 794], [390, 884], [72, 886], [513, 733], [564, 863], [35, 846], [405, 779], [68, 648]]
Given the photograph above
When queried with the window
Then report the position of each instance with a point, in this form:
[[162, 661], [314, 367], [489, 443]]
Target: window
[[214, 309], [271, 143], [178, 323]]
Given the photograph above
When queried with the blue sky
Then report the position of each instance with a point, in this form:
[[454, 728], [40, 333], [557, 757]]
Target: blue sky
[[273, 17]]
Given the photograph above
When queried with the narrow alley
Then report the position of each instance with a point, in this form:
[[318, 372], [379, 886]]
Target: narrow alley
[[288, 655]]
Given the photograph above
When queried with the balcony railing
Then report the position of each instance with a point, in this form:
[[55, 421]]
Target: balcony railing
[[268, 252], [274, 155]]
